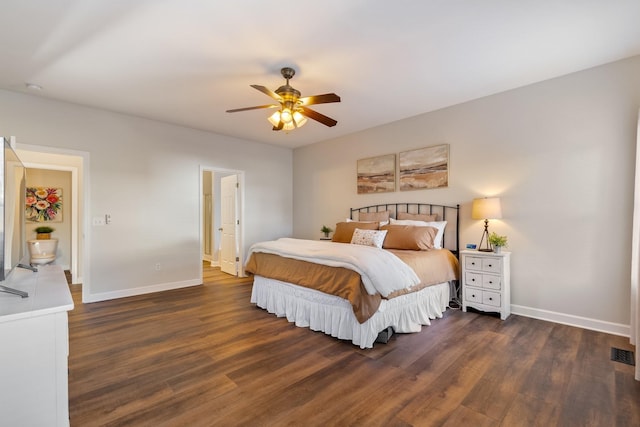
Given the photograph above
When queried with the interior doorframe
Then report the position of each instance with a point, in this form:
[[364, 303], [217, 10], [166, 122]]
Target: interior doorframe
[[240, 205], [82, 202], [74, 211]]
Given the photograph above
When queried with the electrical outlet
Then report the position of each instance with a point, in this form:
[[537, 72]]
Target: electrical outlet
[[98, 220], [158, 266]]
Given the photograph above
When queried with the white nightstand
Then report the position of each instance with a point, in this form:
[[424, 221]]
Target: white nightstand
[[486, 281]]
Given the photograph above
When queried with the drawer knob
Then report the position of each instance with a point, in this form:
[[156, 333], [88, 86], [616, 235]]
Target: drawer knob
[[490, 282], [473, 295], [473, 280], [490, 265], [490, 299]]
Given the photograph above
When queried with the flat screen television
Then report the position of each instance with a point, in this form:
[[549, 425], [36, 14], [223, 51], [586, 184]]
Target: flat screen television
[[13, 243]]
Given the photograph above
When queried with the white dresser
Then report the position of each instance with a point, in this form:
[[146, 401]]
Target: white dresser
[[486, 281], [34, 349]]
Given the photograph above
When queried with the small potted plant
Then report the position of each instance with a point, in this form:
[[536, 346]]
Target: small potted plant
[[497, 242], [44, 232], [326, 230]]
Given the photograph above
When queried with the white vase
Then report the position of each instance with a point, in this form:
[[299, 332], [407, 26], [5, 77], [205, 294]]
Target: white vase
[[497, 249]]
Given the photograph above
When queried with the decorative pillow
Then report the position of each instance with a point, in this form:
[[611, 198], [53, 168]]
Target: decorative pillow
[[440, 225], [368, 237], [417, 217], [344, 230], [409, 237], [382, 216]]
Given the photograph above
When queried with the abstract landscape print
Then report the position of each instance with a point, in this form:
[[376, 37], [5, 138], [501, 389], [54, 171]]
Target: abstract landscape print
[[44, 204], [377, 174], [424, 168]]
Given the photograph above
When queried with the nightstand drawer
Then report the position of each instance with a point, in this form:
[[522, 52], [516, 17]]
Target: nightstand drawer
[[491, 265], [491, 282], [473, 263], [473, 295], [491, 298], [473, 279]]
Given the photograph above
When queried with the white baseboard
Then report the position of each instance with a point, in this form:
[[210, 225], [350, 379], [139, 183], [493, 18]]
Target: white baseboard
[[140, 291], [571, 320], [211, 260]]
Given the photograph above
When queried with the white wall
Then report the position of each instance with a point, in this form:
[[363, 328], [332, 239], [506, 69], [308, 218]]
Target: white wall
[[146, 174], [560, 154]]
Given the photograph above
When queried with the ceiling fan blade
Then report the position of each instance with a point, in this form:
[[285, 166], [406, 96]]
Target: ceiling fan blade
[[252, 108], [319, 99], [327, 121], [267, 92]]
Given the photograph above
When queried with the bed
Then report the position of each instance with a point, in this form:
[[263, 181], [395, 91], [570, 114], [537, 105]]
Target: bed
[[389, 268]]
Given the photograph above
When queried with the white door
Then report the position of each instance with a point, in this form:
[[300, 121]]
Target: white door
[[229, 225]]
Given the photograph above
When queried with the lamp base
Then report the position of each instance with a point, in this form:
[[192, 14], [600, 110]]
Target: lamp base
[[485, 238]]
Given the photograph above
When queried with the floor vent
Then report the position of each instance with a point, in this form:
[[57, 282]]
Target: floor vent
[[622, 356]]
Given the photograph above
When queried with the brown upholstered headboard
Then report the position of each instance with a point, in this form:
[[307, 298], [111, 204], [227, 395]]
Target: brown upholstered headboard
[[451, 214]]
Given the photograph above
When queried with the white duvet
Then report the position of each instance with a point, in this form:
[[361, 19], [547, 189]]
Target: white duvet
[[381, 271]]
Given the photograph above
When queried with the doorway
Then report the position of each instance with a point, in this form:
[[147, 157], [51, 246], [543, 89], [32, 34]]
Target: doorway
[[41, 159], [222, 225]]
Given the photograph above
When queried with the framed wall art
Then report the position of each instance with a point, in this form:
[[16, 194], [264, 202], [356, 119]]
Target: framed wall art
[[44, 204], [424, 168], [377, 174]]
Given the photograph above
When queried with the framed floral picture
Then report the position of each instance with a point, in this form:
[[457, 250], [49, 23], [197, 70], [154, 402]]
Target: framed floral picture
[[44, 204], [377, 174], [424, 168]]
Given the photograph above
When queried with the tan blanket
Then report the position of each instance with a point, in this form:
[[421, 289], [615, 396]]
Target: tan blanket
[[337, 281], [432, 267]]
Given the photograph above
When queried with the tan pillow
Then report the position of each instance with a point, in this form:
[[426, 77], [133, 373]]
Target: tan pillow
[[409, 237], [344, 230], [382, 216], [417, 217]]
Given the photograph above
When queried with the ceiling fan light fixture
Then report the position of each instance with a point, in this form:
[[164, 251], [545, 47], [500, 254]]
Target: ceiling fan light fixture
[[293, 110]]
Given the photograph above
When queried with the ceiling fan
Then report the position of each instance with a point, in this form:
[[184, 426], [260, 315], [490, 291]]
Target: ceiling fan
[[293, 110]]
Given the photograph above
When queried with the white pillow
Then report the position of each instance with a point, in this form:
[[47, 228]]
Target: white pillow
[[440, 225], [368, 237]]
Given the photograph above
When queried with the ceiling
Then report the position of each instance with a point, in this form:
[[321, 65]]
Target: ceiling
[[187, 61]]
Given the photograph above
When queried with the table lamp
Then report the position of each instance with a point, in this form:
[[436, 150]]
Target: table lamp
[[486, 208]]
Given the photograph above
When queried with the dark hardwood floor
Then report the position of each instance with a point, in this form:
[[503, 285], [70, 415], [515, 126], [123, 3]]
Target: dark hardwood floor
[[204, 356]]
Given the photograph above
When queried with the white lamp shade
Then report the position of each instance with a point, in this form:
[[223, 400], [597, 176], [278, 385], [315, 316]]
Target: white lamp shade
[[285, 115], [274, 119], [486, 208], [299, 119]]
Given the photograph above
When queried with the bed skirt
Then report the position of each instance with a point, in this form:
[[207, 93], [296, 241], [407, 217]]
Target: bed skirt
[[312, 309]]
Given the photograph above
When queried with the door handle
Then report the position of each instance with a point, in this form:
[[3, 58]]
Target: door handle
[[220, 229]]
